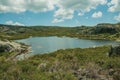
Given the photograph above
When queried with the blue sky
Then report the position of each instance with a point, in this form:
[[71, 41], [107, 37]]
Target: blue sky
[[59, 12]]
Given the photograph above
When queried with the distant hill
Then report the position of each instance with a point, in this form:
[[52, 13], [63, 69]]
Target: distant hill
[[82, 31], [98, 29]]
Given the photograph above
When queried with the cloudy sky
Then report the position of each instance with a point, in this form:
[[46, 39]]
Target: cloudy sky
[[59, 12]]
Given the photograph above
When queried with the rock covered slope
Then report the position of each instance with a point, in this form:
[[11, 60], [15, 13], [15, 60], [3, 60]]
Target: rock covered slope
[[107, 28], [13, 47], [100, 31], [9, 46]]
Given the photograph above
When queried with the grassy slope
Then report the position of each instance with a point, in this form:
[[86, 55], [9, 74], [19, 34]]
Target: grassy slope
[[62, 64]]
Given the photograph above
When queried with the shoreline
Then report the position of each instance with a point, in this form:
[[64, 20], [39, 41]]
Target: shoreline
[[26, 49]]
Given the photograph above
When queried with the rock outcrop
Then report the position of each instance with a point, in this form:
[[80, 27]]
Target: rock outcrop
[[107, 28], [10, 46], [6, 48], [115, 50]]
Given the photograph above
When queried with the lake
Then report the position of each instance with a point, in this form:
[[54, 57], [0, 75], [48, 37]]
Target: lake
[[42, 45]]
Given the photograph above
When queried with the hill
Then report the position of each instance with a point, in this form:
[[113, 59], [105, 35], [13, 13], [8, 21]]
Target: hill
[[103, 30]]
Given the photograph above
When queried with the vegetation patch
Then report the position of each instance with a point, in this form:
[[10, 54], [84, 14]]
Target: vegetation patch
[[69, 64]]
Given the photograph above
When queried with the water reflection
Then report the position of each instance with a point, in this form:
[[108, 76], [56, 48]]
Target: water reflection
[[50, 44]]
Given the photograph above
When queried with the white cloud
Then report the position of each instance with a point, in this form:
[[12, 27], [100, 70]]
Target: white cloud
[[64, 9], [14, 23], [40, 5], [57, 20], [117, 17], [18, 6], [12, 6], [97, 14], [67, 8], [62, 14], [80, 14], [114, 5], [81, 5]]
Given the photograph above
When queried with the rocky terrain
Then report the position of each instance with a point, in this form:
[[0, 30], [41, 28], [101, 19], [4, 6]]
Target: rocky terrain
[[115, 50], [103, 28], [69, 64], [7, 46], [107, 28]]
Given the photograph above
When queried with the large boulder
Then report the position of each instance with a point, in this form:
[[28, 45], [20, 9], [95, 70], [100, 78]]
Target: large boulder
[[115, 50], [6, 48]]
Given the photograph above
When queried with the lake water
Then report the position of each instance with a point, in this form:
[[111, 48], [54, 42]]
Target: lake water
[[42, 45]]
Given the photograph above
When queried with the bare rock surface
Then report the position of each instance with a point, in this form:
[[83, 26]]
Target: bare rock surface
[[7, 46]]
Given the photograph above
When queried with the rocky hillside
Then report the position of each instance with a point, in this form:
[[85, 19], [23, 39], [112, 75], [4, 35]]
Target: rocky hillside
[[112, 31], [11, 29], [13, 48], [107, 28], [98, 29]]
